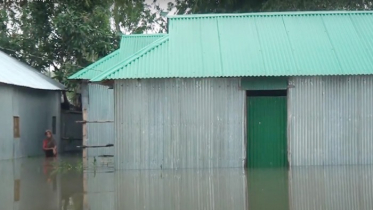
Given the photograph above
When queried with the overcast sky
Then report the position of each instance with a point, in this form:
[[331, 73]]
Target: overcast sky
[[162, 3]]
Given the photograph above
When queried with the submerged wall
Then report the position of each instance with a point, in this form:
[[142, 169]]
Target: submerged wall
[[330, 120], [179, 123], [35, 109], [100, 107]]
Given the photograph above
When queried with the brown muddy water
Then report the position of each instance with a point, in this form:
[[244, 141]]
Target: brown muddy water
[[35, 184]]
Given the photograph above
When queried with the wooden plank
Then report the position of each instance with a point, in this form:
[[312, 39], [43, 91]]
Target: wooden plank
[[96, 121]]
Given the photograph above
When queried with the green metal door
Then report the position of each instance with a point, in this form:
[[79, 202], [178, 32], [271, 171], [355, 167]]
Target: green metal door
[[266, 131]]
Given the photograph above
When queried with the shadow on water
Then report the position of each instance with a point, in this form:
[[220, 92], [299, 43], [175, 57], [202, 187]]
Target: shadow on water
[[28, 184]]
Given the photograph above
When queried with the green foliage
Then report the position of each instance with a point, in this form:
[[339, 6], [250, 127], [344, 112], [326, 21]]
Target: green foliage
[[214, 6], [64, 167], [235, 6], [316, 5]]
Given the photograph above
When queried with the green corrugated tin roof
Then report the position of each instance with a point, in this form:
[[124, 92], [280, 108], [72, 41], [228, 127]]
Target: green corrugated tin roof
[[98, 67], [133, 43], [257, 44], [141, 63], [129, 45]]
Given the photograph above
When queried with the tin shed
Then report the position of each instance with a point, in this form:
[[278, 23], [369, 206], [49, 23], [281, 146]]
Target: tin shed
[[256, 90], [98, 99], [30, 104]]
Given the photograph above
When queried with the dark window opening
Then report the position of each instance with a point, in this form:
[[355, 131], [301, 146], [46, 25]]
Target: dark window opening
[[54, 125], [266, 93], [16, 126]]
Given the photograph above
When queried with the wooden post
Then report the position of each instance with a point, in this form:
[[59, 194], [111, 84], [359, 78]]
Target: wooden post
[[85, 164], [84, 143], [85, 105]]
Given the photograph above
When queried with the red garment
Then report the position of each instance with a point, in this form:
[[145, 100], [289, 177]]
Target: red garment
[[45, 147], [45, 143]]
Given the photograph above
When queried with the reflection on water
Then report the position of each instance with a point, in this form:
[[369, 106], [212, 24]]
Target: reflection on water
[[268, 188], [183, 189], [28, 184]]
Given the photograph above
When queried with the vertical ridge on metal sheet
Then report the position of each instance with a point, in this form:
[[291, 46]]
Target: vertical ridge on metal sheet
[[331, 120], [178, 123]]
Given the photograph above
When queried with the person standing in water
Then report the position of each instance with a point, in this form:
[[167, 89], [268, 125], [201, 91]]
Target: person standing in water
[[49, 145]]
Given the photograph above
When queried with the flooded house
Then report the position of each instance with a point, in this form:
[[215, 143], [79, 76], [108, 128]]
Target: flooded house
[[98, 99], [30, 104], [247, 90]]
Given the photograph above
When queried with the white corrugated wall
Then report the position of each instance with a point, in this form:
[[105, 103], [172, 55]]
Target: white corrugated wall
[[179, 123], [330, 120]]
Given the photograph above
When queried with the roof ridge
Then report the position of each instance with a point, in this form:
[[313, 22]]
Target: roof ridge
[[92, 65], [254, 14], [129, 60]]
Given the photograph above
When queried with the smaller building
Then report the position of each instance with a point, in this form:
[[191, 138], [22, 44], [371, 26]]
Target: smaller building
[[98, 99], [30, 104]]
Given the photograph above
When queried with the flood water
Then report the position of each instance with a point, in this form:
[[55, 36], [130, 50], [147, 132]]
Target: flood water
[[35, 184]]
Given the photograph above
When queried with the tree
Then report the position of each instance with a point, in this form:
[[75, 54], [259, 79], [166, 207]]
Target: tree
[[235, 6], [66, 36], [133, 17]]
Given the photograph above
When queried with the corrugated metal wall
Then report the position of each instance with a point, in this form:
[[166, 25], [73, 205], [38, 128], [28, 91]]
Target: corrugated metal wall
[[100, 107], [181, 189], [179, 123], [6, 122], [35, 109], [330, 120], [331, 187]]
